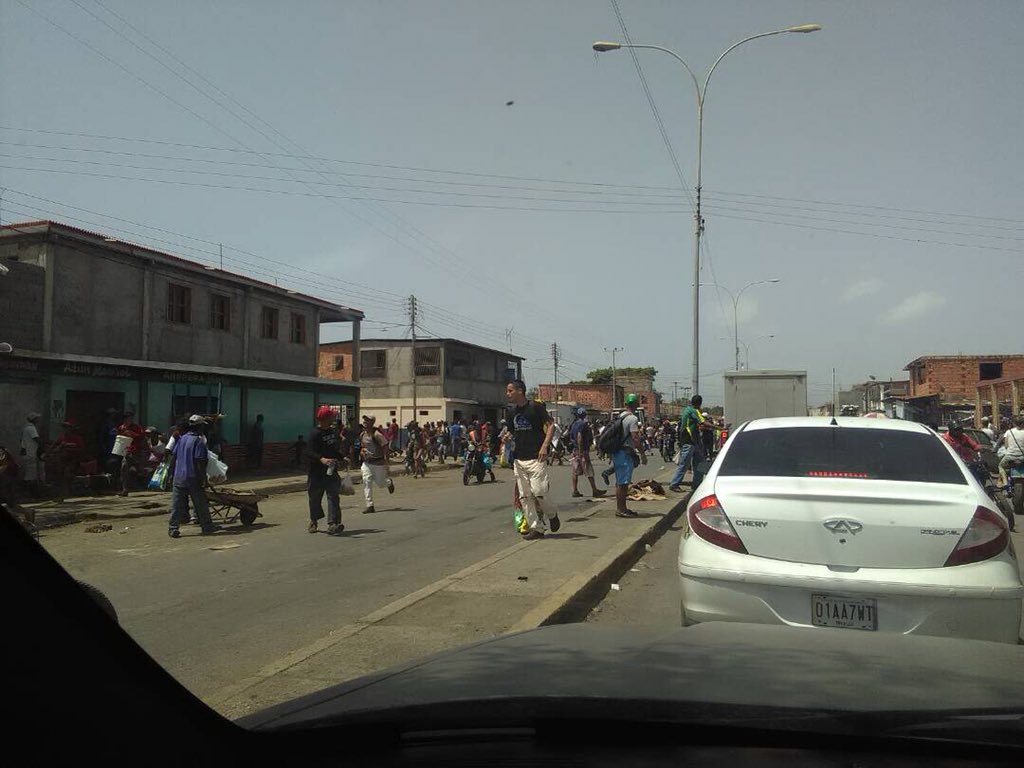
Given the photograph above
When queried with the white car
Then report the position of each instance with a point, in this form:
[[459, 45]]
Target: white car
[[854, 523]]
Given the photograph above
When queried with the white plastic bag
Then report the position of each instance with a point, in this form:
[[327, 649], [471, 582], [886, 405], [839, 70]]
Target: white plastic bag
[[216, 470], [348, 488]]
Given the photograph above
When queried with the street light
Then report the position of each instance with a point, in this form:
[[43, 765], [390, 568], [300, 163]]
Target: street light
[[746, 346], [735, 306], [602, 46]]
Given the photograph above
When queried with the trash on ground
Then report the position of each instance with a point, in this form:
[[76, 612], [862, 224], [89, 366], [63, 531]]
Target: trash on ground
[[125, 529], [524, 578], [647, 547], [634, 570], [224, 546], [101, 528], [646, 490], [616, 587]]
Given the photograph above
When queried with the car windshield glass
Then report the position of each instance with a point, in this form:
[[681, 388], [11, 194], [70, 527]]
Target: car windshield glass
[[868, 454]]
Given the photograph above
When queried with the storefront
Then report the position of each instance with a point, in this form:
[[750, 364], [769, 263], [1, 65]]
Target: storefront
[[82, 390]]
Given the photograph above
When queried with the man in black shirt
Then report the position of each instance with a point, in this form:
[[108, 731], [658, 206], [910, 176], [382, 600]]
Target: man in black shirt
[[532, 429], [325, 454]]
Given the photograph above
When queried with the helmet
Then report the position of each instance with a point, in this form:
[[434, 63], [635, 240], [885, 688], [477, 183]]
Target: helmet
[[581, 411], [632, 399]]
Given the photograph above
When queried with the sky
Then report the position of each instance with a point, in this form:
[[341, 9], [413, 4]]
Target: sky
[[482, 157]]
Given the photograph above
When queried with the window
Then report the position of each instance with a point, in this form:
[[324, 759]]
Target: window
[[268, 323], [298, 328], [866, 454], [373, 363], [461, 363], [339, 362], [179, 303], [428, 361], [392, 413], [220, 312], [989, 371], [424, 413]]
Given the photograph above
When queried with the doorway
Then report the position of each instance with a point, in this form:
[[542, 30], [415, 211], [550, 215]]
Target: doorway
[[88, 410]]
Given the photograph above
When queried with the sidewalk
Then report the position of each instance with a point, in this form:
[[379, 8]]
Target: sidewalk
[[532, 583], [109, 506]]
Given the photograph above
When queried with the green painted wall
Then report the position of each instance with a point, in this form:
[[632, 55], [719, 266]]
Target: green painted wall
[[285, 414]]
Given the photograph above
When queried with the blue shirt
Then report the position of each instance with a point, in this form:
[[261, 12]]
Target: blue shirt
[[188, 449], [456, 431]]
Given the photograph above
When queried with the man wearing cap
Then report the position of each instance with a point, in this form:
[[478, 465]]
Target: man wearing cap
[[581, 438], [188, 461], [31, 451], [627, 457], [324, 457], [373, 452], [134, 457]]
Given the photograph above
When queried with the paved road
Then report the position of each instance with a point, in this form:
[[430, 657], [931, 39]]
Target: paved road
[[215, 609]]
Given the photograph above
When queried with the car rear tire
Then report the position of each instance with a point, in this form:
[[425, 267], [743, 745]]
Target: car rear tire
[[101, 600]]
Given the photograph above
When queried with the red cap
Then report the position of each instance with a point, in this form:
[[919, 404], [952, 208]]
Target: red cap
[[324, 412]]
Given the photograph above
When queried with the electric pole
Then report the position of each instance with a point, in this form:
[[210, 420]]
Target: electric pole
[[508, 338], [613, 350], [412, 326], [675, 391], [554, 359]]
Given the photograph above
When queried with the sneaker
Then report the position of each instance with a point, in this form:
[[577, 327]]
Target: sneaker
[[193, 521], [626, 513], [534, 535], [312, 526], [335, 529], [174, 533], [555, 524], [576, 494], [599, 494], [676, 488], [391, 485], [369, 510], [604, 476]]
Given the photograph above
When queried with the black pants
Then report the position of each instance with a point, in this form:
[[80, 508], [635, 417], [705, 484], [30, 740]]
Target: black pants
[[318, 486]]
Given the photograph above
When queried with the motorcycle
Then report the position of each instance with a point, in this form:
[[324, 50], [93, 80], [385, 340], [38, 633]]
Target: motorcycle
[[477, 464], [1005, 499]]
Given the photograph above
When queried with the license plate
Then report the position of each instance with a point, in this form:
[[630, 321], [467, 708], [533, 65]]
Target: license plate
[[844, 612]]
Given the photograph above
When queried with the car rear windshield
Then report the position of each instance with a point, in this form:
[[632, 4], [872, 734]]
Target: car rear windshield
[[865, 454]]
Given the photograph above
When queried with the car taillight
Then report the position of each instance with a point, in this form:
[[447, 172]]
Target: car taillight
[[986, 536], [708, 520]]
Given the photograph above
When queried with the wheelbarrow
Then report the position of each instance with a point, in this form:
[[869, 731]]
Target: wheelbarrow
[[228, 504]]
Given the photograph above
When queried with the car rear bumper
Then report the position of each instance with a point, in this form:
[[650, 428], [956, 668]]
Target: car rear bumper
[[982, 601]]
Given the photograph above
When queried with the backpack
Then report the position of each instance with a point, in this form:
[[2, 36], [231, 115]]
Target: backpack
[[611, 439]]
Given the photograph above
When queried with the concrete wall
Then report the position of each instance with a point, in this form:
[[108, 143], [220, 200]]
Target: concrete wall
[[195, 342], [98, 305], [18, 398], [22, 293], [281, 354]]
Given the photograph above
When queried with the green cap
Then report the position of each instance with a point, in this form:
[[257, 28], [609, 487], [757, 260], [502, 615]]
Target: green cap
[[632, 399]]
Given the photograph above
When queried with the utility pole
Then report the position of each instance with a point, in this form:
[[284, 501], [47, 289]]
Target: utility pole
[[221, 256], [412, 326], [833, 392], [554, 359], [675, 391], [613, 350], [508, 338]]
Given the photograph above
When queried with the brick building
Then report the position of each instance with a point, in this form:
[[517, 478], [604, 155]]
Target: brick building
[[595, 397], [955, 378]]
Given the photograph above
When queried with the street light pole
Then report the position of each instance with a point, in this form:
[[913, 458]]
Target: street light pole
[[613, 350], [735, 311], [698, 229]]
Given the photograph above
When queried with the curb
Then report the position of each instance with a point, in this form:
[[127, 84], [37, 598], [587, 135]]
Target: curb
[[575, 599]]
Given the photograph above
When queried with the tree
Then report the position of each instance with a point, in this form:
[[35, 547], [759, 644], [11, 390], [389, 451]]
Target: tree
[[604, 375]]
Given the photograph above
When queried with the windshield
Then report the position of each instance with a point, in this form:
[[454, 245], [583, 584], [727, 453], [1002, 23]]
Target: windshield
[[299, 304], [862, 454]]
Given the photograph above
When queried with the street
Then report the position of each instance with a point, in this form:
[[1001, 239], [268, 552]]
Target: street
[[216, 610]]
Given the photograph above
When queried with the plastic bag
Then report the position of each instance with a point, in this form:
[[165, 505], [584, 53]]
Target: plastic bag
[[216, 470], [519, 518], [158, 481], [348, 488]]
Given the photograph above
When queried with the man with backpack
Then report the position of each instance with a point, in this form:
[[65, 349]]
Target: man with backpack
[[581, 438], [691, 444], [622, 441]]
